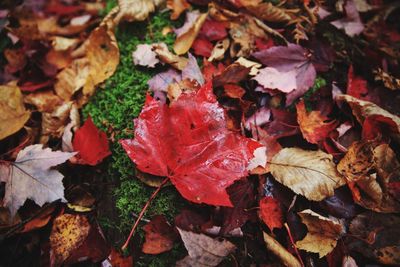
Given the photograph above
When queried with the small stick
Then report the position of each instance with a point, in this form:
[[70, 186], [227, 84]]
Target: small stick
[[145, 207]]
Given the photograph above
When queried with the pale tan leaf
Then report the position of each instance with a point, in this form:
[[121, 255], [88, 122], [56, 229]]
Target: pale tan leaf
[[135, 10], [68, 233], [184, 42], [280, 251], [309, 173], [168, 57], [322, 233], [255, 66], [31, 176], [13, 114], [219, 50]]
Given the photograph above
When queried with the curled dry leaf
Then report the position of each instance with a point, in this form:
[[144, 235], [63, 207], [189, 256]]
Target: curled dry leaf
[[314, 126], [100, 60], [159, 236], [135, 10], [177, 7], [53, 123], [267, 11], [370, 168], [168, 57], [44, 101], [322, 233], [13, 114], [68, 233], [31, 176], [280, 251], [376, 236], [363, 110], [203, 250], [219, 50], [309, 173], [185, 40]]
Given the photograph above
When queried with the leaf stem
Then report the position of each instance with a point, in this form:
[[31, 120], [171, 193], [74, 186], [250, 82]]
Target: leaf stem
[[142, 212], [293, 244]]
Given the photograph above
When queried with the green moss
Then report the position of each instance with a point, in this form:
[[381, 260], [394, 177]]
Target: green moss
[[114, 107]]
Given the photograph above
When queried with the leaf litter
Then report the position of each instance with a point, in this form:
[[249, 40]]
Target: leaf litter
[[276, 166]]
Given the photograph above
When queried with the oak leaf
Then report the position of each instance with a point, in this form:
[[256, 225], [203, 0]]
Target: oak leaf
[[309, 173], [189, 142], [204, 250], [322, 234], [13, 114], [31, 176]]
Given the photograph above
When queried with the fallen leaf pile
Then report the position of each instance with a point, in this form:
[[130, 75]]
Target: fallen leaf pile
[[276, 121]]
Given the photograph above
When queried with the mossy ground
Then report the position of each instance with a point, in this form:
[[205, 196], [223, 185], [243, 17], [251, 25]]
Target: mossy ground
[[113, 108]]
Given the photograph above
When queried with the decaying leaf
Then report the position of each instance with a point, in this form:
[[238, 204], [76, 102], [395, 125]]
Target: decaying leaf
[[280, 251], [31, 176], [53, 122], [314, 126], [370, 168], [13, 114], [388, 80], [159, 236], [309, 173], [185, 39], [376, 236], [203, 250], [68, 234], [322, 233]]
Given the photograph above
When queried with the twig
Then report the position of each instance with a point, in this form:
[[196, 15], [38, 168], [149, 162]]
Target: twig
[[144, 209]]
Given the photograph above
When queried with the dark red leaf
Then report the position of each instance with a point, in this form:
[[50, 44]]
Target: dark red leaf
[[159, 236], [91, 143], [213, 30], [189, 142], [202, 47], [356, 86]]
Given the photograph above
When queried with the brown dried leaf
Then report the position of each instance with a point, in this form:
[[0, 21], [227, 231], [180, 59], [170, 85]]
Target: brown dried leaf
[[135, 10], [44, 101], [364, 109], [219, 50], [68, 234], [280, 251], [204, 250], [13, 114], [177, 7], [168, 57], [184, 42], [53, 123], [322, 234], [267, 11], [309, 173]]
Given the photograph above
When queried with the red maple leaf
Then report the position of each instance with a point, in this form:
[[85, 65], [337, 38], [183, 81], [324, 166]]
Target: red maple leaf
[[271, 212], [91, 143], [188, 142]]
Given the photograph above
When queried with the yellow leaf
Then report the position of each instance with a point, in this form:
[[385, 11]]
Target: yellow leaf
[[309, 173], [280, 251], [68, 233], [322, 234], [13, 114]]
